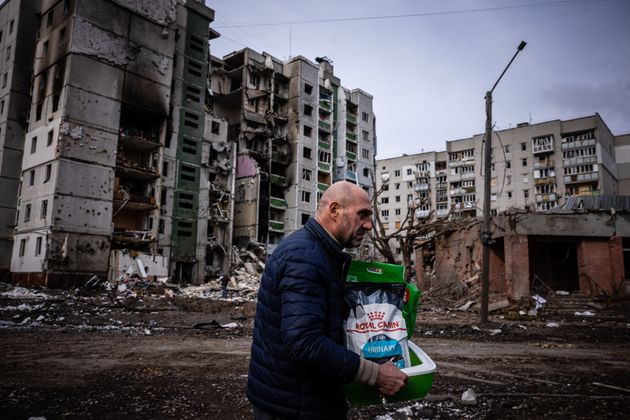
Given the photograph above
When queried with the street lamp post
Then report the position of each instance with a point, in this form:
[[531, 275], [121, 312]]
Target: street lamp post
[[486, 234]]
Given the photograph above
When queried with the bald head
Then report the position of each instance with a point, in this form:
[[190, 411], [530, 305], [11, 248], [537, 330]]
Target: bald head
[[344, 210]]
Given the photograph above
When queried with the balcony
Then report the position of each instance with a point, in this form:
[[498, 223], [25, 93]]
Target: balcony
[[324, 166], [325, 105], [542, 146], [324, 145], [421, 214], [579, 178], [278, 203], [441, 186], [577, 144], [351, 136], [548, 164], [322, 186], [456, 191], [324, 126], [441, 198], [276, 226], [281, 157], [545, 180], [584, 160], [278, 179], [351, 118], [351, 155], [441, 212], [546, 197], [461, 176], [422, 187], [351, 176]]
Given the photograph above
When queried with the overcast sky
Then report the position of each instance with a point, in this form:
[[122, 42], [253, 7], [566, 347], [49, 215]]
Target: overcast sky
[[429, 73]]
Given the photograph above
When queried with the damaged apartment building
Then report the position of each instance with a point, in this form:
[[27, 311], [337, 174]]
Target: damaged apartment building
[[297, 130], [122, 166], [539, 172]]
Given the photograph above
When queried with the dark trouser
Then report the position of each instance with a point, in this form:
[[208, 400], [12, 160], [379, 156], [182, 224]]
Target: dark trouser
[[260, 414]]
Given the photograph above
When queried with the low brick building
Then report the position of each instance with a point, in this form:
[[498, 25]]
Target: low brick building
[[585, 247]]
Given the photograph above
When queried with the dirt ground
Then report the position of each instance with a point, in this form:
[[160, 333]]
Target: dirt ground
[[82, 354]]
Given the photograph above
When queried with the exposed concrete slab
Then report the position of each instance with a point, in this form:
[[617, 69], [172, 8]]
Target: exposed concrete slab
[[83, 105], [93, 216], [78, 141], [96, 181]]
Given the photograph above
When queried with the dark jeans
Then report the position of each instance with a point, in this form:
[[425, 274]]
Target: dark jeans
[[260, 414]]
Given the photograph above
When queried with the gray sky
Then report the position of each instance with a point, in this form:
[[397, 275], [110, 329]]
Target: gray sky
[[429, 73]]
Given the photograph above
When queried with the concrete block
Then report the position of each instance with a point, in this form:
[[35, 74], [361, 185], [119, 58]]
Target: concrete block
[[85, 180], [83, 106], [78, 141], [95, 76], [92, 216]]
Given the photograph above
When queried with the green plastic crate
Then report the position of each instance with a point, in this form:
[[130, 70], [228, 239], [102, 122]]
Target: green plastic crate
[[419, 383]]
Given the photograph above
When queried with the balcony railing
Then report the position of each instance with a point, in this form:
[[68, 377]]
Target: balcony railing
[[322, 186], [278, 179], [279, 156], [584, 160], [351, 176], [578, 144], [579, 178], [324, 166], [351, 135], [351, 155], [422, 187], [351, 118], [548, 164], [543, 147], [325, 105], [324, 126], [441, 212], [276, 226], [456, 191], [546, 197], [278, 203], [324, 145], [422, 214]]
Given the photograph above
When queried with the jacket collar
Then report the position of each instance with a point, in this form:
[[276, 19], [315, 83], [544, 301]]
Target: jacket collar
[[330, 244]]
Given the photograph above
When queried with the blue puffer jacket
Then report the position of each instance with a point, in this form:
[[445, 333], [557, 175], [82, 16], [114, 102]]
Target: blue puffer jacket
[[299, 364]]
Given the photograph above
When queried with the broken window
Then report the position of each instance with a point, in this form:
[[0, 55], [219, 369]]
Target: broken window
[[508, 164], [44, 209], [50, 17], [22, 247], [38, 246], [308, 131], [523, 146], [8, 55], [306, 174], [507, 148], [306, 196], [62, 36], [526, 193], [308, 89], [27, 213], [48, 172], [31, 178], [305, 217], [50, 138], [306, 152], [365, 116], [524, 161], [215, 127], [33, 145], [308, 110]]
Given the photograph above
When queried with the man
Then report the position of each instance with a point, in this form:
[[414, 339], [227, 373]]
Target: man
[[299, 363]]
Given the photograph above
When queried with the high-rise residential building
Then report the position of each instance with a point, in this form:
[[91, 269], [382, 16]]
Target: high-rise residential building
[[116, 167], [18, 26], [534, 166], [297, 130]]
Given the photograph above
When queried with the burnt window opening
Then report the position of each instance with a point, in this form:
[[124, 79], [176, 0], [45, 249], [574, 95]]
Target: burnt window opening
[[215, 127], [193, 94], [188, 173], [196, 43]]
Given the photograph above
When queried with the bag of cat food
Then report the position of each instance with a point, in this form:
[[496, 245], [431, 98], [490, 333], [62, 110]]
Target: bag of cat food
[[375, 326]]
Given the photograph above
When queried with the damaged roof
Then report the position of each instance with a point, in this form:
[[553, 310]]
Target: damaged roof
[[595, 203]]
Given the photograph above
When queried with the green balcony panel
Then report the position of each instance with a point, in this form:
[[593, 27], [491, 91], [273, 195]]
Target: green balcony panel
[[278, 203], [277, 226], [351, 156], [325, 105], [324, 166], [351, 136], [322, 187], [278, 179], [324, 145], [324, 126], [351, 118]]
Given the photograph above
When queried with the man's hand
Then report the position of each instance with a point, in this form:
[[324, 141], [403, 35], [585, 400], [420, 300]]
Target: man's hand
[[390, 379]]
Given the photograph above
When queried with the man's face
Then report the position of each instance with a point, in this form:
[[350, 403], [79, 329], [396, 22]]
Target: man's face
[[356, 219]]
